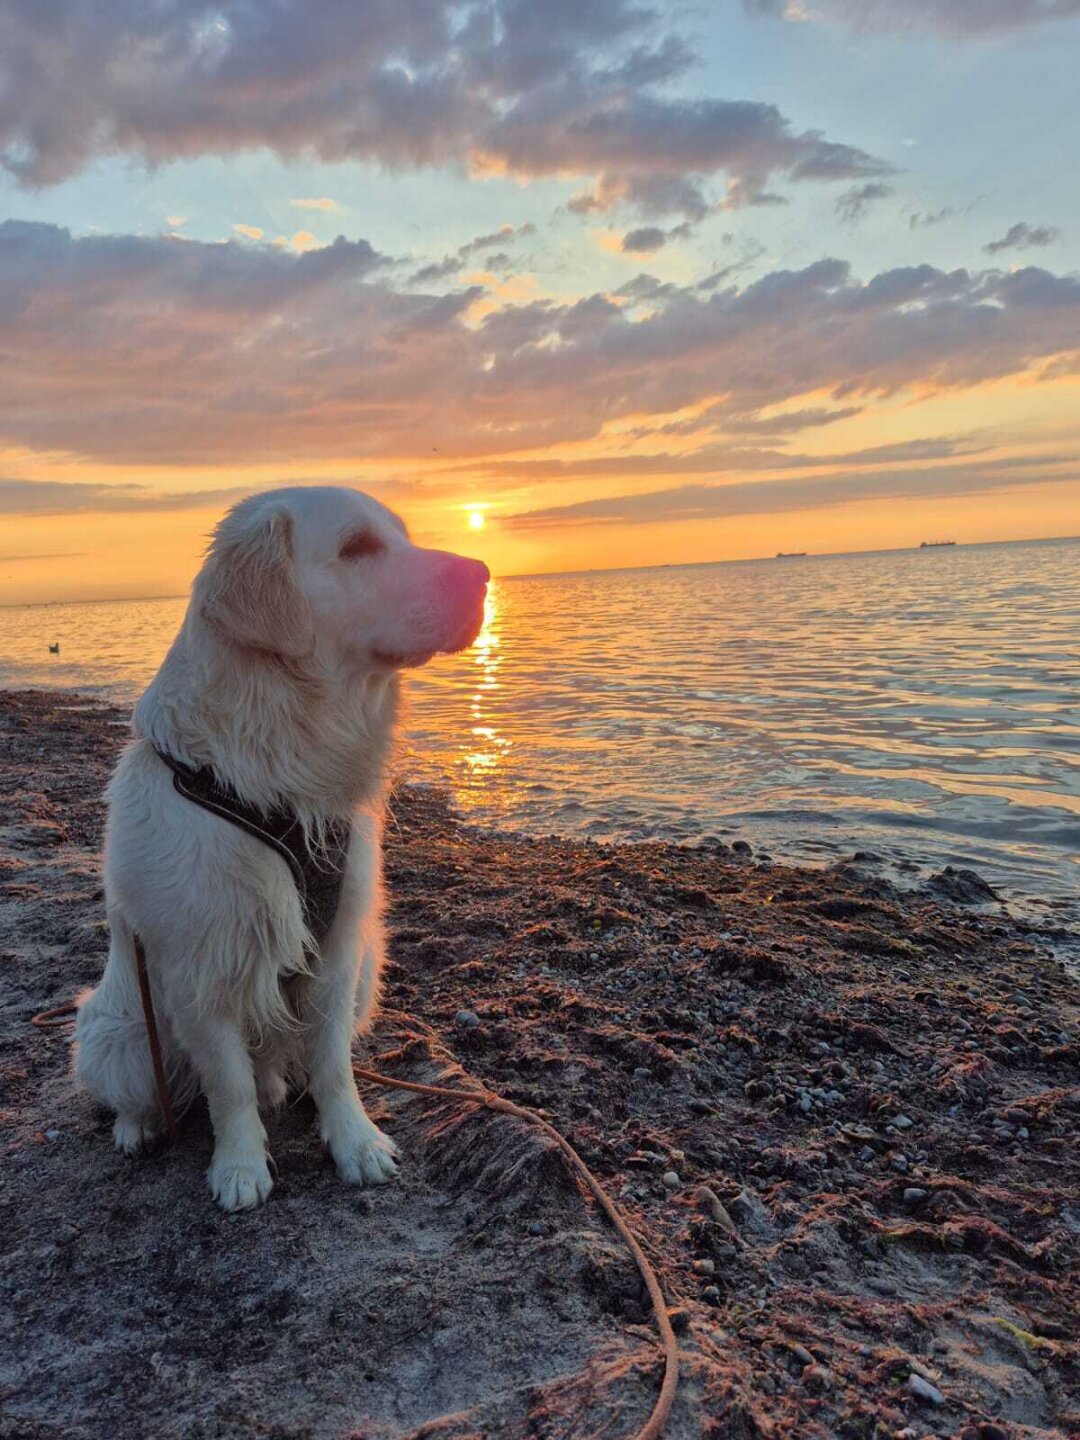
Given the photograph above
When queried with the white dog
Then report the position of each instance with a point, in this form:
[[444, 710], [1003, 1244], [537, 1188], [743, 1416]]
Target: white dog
[[283, 683]]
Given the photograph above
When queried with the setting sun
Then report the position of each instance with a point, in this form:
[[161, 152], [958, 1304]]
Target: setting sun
[[476, 520]]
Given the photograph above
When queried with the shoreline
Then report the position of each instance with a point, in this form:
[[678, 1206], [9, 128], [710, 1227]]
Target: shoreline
[[876, 1088], [1042, 901]]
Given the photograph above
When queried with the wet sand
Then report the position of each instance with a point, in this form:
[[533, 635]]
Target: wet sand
[[842, 1120]]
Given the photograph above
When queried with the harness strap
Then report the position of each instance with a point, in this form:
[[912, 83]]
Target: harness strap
[[186, 783], [318, 875]]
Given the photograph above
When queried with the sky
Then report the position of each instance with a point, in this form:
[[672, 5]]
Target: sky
[[574, 284]]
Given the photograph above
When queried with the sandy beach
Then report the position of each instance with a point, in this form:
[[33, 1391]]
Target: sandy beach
[[841, 1119]]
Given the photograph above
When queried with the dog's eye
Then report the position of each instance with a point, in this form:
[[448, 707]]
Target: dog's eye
[[362, 544]]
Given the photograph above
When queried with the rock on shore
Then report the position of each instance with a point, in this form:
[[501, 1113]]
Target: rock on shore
[[841, 1119]]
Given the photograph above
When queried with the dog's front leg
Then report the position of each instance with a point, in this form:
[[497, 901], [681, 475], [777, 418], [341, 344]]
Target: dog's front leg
[[239, 1175], [362, 1153]]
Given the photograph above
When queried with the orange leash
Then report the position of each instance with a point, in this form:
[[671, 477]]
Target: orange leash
[[654, 1426], [662, 1409]]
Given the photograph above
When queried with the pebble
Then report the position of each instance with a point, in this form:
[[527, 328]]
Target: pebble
[[866, 1154], [923, 1390], [52, 1134], [641, 1072], [671, 1179], [914, 1196], [704, 1267], [712, 1294], [899, 1162], [468, 1018], [536, 1227], [902, 1122], [806, 1104], [709, 1203], [802, 1355]]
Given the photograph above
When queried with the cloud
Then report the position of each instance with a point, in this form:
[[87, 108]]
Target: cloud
[[925, 219], [954, 17], [569, 88], [249, 232], [647, 239], [853, 204], [450, 265], [322, 203], [73, 497], [66, 497], [1023, 237], [711, 460], [794, 420], [46, 555], [770, 497], [303, 241], [145, 349]]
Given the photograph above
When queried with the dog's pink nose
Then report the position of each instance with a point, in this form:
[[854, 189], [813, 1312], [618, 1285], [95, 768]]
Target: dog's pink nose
[[469, 574]]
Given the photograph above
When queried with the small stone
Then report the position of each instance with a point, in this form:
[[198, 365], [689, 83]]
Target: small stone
[[899, 1162], [671, 1179], [902, 1122], [680, 1319], [641, 1072], [817, 1377], [923, 1390], [806, 1105], [750, 1212], [676, 1155], [468, 1018], [536, 1227], [914, 1196], [704, 1267], [802, 1355], [710, 1204], [711, 1293], [52, 1134], [866, 1154]]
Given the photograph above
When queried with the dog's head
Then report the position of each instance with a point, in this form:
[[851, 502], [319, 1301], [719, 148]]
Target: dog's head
[[329, 570]]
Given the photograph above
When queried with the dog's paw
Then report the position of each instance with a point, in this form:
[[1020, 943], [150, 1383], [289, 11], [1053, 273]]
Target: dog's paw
[[365, 1157], [132, 1133], [239, 1184]]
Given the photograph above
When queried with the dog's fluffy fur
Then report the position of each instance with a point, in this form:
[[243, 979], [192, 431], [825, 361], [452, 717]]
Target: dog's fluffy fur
[[283, 679]]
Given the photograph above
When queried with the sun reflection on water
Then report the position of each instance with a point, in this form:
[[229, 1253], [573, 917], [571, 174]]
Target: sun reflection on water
[[487, 745]]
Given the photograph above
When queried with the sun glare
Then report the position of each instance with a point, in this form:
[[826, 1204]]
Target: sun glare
[[476, 519]]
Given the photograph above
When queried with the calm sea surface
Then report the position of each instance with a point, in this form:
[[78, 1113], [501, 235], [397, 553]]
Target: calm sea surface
[[920, 704]]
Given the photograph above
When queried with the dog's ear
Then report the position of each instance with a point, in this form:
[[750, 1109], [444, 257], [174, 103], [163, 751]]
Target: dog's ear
[[249, 589]]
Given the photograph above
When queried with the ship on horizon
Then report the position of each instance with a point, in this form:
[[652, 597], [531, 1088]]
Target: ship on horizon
[[791, 554], [935, 544]]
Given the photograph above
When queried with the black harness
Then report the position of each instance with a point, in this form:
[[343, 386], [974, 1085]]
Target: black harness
[[319, 878]]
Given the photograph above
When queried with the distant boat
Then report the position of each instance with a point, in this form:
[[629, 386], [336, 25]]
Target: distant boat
[[935, 544], [791, 555], [55, 649]]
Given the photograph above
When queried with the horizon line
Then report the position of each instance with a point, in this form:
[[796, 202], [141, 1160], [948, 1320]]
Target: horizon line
[[615, 569]]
